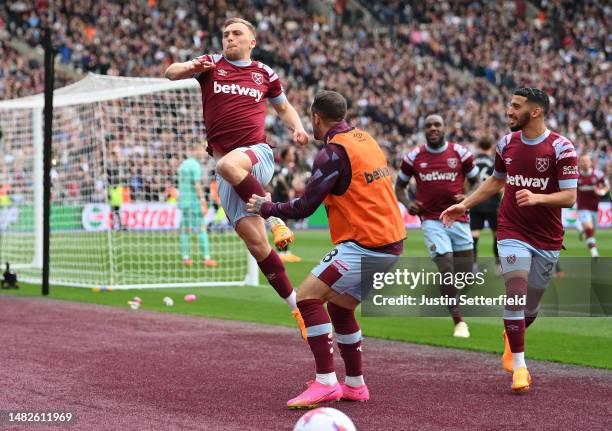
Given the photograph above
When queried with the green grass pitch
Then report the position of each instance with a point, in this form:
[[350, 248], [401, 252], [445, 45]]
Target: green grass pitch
[[583, 340]]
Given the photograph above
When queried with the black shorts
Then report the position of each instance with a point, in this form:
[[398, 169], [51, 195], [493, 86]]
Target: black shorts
[[477, 219]]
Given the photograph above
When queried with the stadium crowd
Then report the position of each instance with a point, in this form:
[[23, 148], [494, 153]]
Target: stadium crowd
[[564, 48], [459, 58]]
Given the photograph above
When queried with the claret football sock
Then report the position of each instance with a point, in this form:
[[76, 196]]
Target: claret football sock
[[249, 186], [274, 270], [320, 339], [348, 336]]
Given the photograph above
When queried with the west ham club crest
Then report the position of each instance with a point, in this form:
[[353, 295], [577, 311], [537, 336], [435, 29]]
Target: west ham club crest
[[542, 164], [257, 78]]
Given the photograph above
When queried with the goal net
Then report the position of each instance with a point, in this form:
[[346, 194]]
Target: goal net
[[115, 222]]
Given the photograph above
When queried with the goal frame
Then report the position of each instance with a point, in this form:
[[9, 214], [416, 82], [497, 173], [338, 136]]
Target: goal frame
[[81, 93]]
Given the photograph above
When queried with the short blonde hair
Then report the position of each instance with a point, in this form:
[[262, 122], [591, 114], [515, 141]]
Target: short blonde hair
[[235, 20]]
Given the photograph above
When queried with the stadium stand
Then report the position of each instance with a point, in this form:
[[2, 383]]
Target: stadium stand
[[456, 57]]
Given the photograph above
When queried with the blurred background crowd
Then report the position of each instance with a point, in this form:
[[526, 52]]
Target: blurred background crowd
[[395, 61]]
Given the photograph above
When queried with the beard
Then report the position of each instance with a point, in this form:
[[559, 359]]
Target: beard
[[435, 142], [521, 122]]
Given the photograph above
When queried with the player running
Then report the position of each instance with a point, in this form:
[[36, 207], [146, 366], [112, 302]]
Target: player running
[[538, 169], [592, 185], [350, 175], [440, 169], [192, 203], [234, 92], [486, 211]]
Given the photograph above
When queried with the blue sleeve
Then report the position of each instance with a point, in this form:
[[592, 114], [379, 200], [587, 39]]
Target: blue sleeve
[[281, 98]]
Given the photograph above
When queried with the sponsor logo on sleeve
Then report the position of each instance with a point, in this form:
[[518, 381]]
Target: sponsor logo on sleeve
[[570, 170]]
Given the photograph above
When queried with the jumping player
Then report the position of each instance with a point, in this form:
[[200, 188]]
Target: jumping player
[[234, 92]]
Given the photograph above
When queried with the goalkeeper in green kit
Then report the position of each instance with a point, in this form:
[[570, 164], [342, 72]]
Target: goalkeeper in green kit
[[192, 204]]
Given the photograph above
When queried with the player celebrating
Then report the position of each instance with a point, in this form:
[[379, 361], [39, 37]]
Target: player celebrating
[[192, 204], [440, 169], [539, 171], [350, 175], [234, 89], [484, 161], [592, 185]]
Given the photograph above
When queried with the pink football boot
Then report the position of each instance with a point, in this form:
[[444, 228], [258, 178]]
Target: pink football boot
[[315, 394], [351, 393]]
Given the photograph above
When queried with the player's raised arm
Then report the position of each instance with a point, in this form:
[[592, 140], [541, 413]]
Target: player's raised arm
[[290, 117], [189, 68], [331, 170]]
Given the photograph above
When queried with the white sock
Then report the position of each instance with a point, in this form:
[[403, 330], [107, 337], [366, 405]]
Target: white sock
[[519, 360], [291, 300], [354, 381], [594, 252], [207, 257], [185, 257], [328, 379]]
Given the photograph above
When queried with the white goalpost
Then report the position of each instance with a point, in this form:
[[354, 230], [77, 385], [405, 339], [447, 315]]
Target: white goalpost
[[117, 146]]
